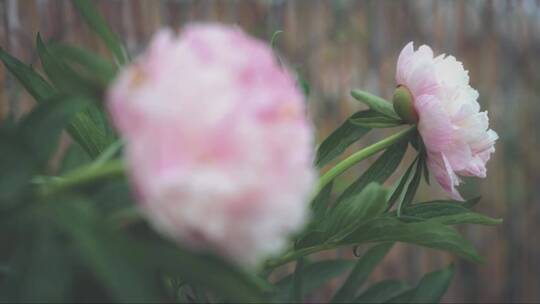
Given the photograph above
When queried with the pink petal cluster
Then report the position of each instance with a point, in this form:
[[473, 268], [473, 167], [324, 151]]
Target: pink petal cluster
[[456, 134], [217, 141]]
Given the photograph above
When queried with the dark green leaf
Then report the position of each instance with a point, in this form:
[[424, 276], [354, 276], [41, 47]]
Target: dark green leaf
[[74, 157], [471, 202], [375, 103], [98, 24], [361, 272], [319, 205], [431, 234], [41, 128], [90, 129], [38, 87], [313, 237], [63, 76], [297, 294], [382, 291], [337, 142], [304, 85], [411, 188], [398, 190], [83, 128], [345, 216], [115, 261], [430, 289], [449, 213], [99, 69], [315, 275], [372, 119], [378, 172], [17, 165], [225, 280], [47, 273]]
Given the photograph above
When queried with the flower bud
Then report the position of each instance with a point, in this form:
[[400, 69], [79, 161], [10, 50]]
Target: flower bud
[[404, 105]]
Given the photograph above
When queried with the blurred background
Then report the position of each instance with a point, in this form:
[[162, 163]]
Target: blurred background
[[341, 45]]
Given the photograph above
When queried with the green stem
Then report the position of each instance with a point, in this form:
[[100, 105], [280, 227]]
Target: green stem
[[294, 255], [81, 176], [361, 155]]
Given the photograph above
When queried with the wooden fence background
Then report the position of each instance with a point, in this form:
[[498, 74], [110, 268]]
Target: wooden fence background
[[339, 45]]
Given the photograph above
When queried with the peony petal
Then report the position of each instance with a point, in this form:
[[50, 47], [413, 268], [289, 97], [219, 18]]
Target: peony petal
[[210, 133], [434, 124], [440, 167], [403, 62]]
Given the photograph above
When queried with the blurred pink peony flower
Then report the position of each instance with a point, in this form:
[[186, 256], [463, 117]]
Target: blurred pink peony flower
[[217, 141], [456, 134]]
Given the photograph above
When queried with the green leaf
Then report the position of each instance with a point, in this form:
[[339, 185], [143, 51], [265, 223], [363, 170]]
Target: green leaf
[[361, 271], [41, 128], [314, 275], [378, 172], [225, 280], [471, 202], [274, 38], [376, 103], [372, 120], [304, 85], [411, 188], [83, 129], [337, 142], [116, 261], [90, 129], [430, 289], [38, 87], [313, 237], [74, 157], [345, 216], [431, 234], [382, 291], [98, 68], [398, 190], [17, 165], [448, 213], [46, 272], [297, 294], [63, 76], [320, 203], [98, 24]]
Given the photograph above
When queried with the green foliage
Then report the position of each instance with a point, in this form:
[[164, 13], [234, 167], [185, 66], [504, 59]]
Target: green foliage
[[74, 233], [41, 128], [382, 292], [360, 273], [376, 104], [378, 172], [314, 275], [335, 144], [36, 86], [372, 119], [429, 290], [97, 23], [431, 234], [344, 217]]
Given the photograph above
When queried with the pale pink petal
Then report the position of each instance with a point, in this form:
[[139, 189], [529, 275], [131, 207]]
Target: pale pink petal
[[455, 132], [434, 125], [439, 166], [213, 125], [403, 63]]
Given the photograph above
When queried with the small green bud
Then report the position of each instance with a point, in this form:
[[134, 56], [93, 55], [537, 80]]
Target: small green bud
[[404, 105]]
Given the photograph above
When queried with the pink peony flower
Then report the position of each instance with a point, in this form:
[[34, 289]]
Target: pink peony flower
[[217, 141], [456, 134]]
